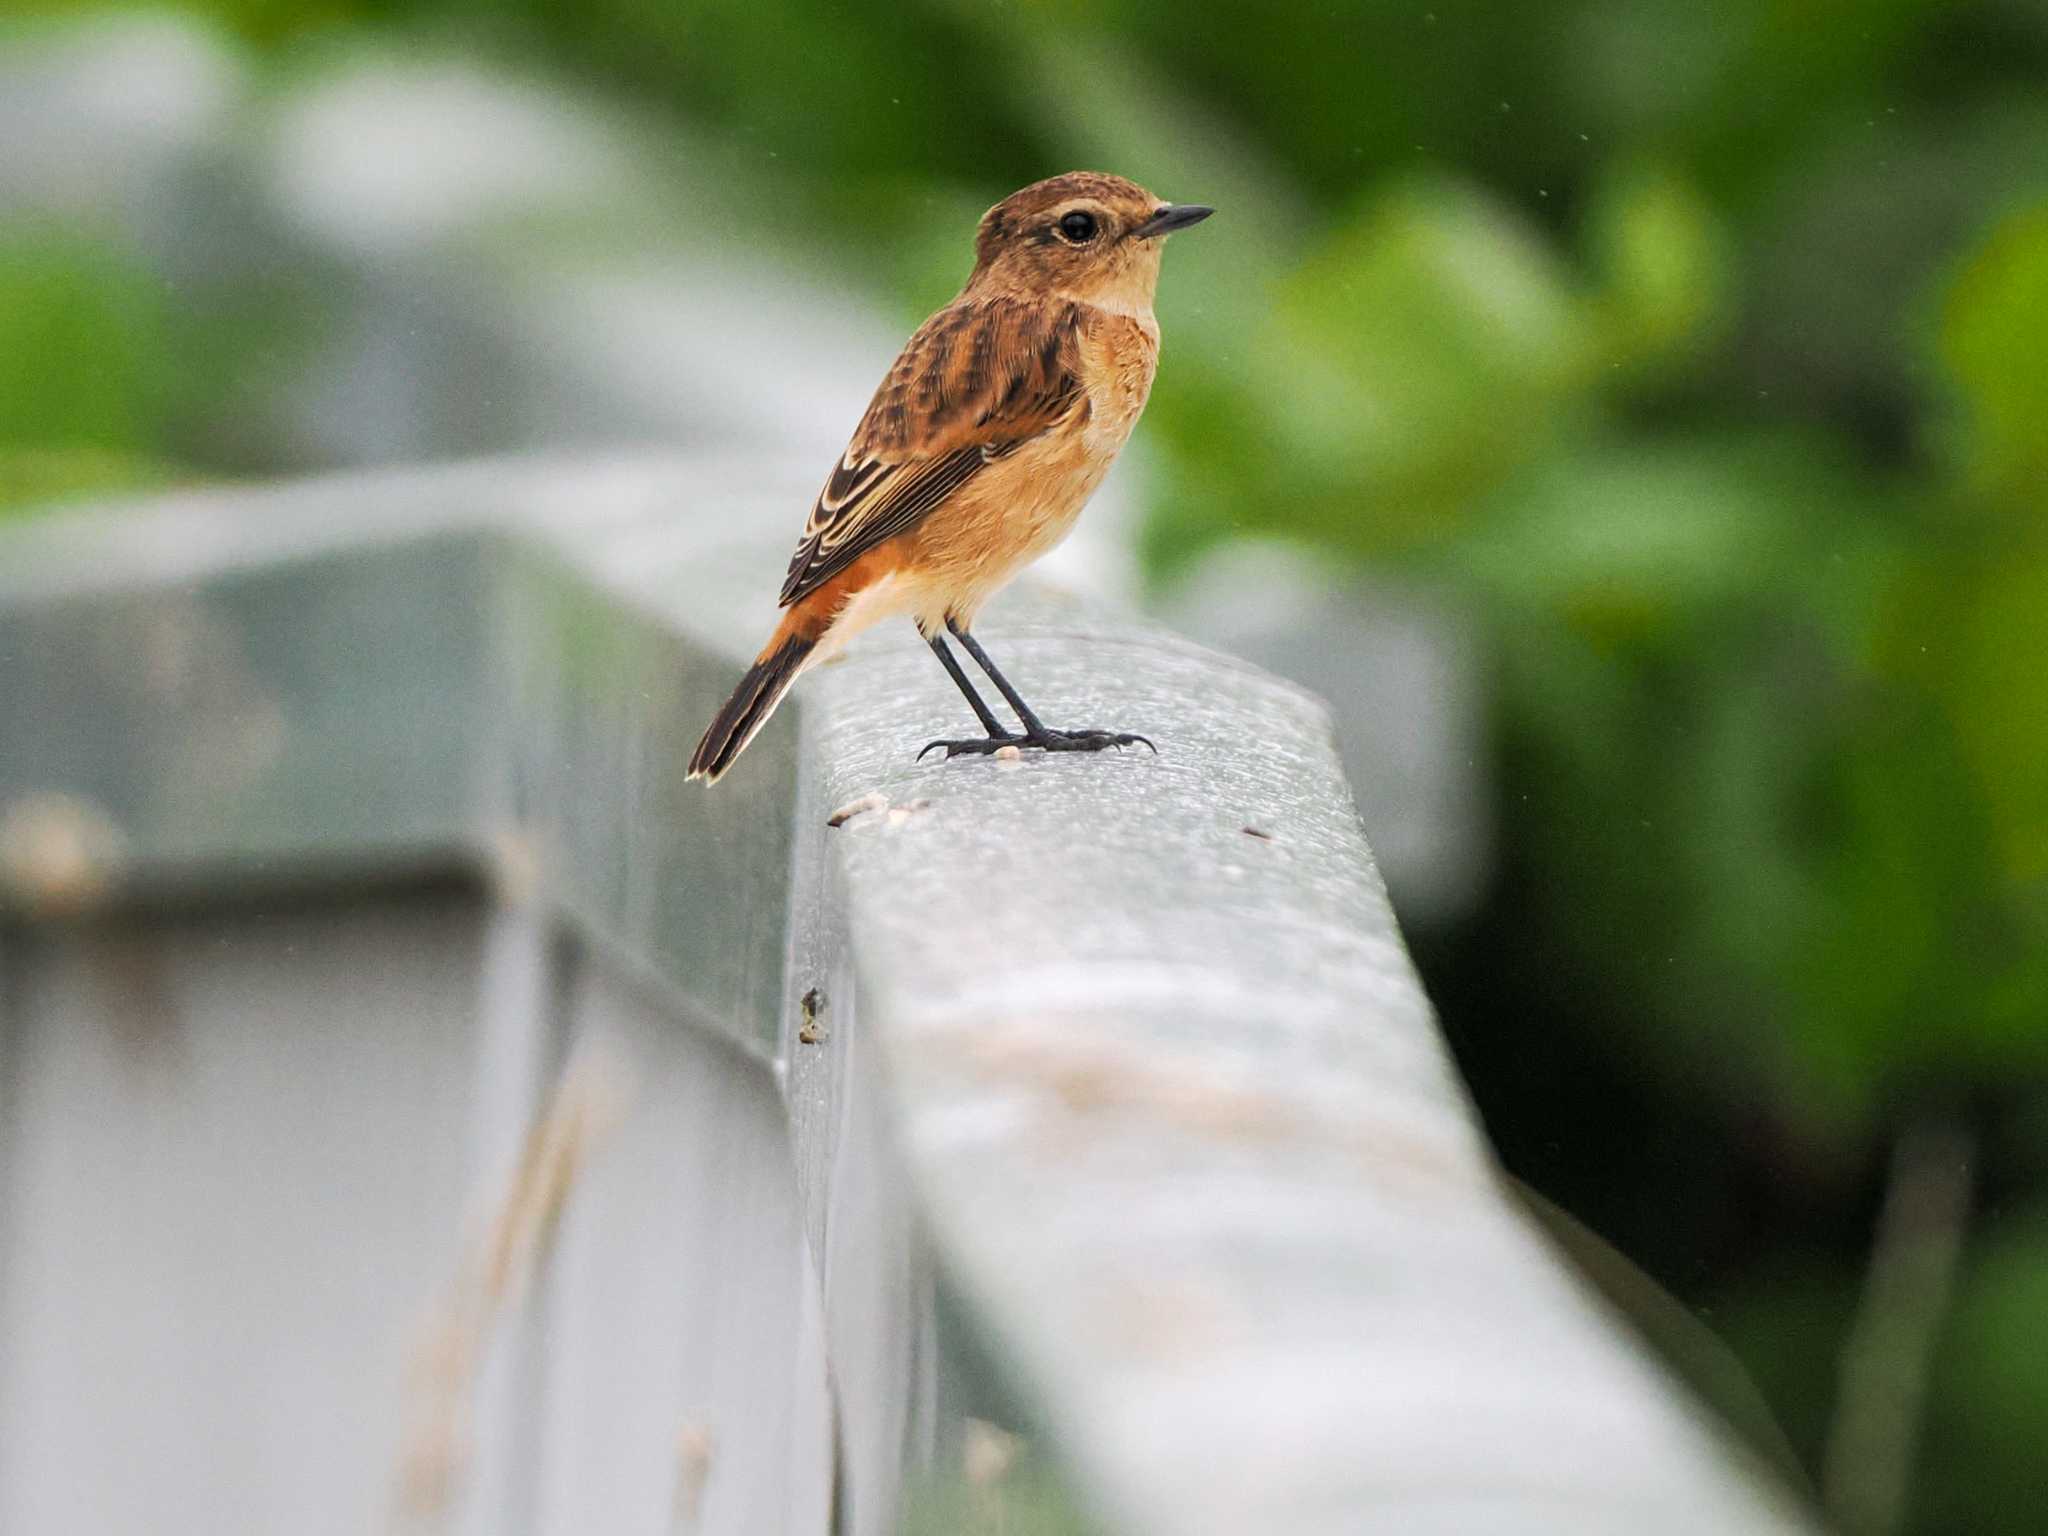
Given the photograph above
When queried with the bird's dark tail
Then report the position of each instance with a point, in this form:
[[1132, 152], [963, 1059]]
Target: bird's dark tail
[[751, 704]]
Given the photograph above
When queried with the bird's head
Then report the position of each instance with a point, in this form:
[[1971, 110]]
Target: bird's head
[[1083, 236]]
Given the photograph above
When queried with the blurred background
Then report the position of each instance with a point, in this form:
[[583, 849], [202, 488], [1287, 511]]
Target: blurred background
[[1631, 414]]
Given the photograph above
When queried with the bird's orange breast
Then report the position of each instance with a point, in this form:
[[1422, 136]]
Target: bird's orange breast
[[1119, 355], [1024, 502]]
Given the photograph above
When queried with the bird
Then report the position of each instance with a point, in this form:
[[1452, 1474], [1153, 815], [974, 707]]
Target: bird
[[977, 453]]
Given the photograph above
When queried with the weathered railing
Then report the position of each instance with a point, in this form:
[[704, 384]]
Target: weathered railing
[[421, 1107]]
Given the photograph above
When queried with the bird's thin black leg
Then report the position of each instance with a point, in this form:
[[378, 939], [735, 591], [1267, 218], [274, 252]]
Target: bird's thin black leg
[[1033, 726], [951, 663], [1036, 732]]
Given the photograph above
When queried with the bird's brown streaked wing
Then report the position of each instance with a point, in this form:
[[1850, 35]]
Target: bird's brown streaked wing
[[975, 381]]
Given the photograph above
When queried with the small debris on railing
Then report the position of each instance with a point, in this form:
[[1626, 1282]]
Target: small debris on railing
[[1264, 837], [60, 854], [1009, 754], [874, 801], [695, 1445], [514, 865], [813, 1004], [1072, 1068], [986, 1453], [895, 817]]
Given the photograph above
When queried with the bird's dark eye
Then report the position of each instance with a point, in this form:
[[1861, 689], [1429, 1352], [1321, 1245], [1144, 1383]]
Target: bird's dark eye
[[1078, 227]]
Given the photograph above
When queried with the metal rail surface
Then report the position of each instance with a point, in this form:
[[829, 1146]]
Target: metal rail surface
[[420, 1109]]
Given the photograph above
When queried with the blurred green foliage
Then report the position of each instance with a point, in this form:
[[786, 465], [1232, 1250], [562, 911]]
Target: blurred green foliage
[[83, 359], [1695, 354]]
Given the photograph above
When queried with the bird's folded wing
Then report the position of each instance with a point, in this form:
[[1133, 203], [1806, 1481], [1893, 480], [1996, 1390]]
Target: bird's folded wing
[[976, 381]]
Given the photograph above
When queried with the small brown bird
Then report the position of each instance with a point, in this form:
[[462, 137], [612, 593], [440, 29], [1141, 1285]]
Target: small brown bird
[[991, 431]]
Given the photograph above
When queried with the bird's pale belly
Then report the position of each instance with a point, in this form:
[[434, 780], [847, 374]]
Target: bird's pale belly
[[1014, 512]]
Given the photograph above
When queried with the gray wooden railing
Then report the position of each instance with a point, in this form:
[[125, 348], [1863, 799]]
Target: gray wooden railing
[[424, 1110]]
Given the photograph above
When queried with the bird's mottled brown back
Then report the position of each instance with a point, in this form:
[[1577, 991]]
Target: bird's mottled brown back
[[979, 377]]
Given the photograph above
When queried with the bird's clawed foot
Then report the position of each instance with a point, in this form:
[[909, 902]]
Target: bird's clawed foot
[[1044, 741], [1092, 740]]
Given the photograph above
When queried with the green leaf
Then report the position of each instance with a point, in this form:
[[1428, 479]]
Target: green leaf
[[1663, 262], [83, 351], [1628, 538], [30, 477], [1972, 632], [1993, 339], [1988, 1413]]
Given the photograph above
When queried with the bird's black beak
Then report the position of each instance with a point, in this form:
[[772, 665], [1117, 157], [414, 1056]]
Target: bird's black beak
[[1173, 216]]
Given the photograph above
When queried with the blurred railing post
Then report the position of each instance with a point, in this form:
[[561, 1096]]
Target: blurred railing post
[[422, 1107]]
